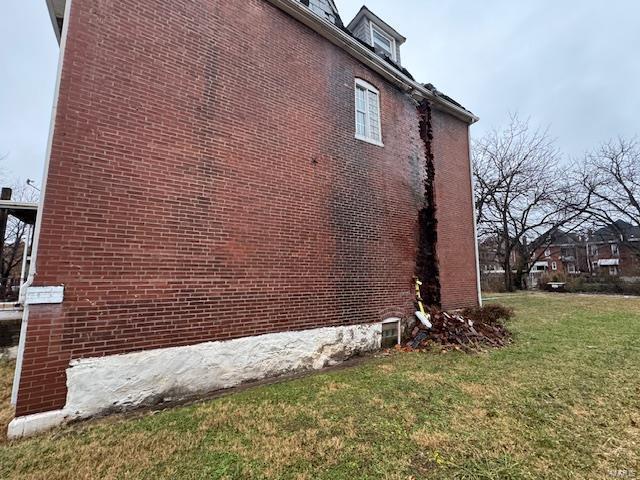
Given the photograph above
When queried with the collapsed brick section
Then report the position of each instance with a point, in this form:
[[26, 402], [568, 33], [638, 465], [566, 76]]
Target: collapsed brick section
[[214, 189], [427, 268]]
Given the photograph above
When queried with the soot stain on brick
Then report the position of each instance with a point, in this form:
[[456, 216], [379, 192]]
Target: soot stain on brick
[[427, 268], [354, 210]]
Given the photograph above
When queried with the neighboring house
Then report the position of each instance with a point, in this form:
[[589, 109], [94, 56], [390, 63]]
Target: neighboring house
[[561, 253], [610, 251], [615, 251], [491, 256], [234, 190]]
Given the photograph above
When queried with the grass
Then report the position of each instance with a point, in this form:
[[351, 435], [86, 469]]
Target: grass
[[6, 410], [562, 403]]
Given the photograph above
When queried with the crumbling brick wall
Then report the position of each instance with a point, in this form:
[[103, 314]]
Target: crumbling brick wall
[[454, 202], [214, 188]]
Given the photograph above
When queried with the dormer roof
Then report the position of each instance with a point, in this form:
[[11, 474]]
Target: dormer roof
[[325, 9], [366, 14]]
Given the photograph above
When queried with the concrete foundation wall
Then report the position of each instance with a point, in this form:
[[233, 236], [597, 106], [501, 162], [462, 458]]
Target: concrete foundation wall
[[123, 382]]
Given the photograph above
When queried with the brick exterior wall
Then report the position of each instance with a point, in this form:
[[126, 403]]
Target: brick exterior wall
[[205, 184], [456, 236]]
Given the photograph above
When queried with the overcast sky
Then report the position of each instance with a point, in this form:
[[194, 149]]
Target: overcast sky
[[572, 65]]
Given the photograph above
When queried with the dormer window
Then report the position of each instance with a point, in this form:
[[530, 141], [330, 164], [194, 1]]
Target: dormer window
[[381, 36], [383, 43]]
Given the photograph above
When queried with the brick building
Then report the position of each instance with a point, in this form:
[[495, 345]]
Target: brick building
[[612, 251], [615, 251], [563, 252], [290, 163]]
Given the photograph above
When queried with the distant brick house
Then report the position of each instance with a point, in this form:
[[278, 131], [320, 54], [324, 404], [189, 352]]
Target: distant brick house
[[614, 251], [562, 253], [610, 251], [234, 190]]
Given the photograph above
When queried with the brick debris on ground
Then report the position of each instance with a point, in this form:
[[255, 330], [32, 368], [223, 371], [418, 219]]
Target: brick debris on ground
[[471, 330]]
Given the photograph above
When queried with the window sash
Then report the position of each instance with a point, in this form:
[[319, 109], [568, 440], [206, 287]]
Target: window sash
[[368, 119], [383, 42], [374, 116], [361, 111]]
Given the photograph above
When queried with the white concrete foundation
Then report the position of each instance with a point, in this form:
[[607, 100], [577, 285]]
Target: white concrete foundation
[[122, 382], [33, 424]]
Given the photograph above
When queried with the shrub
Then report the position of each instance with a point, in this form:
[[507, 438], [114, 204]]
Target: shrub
[[610, 285], [491, 314], [492, 282]]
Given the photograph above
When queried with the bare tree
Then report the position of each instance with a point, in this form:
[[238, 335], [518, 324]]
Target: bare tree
[[523, 192], [612, 174]]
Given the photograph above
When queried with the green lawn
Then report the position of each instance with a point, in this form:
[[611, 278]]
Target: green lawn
[[563, 402]]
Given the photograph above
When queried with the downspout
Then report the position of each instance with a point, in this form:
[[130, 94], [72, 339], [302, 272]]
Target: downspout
[[28, 247], [475, 220], [36, 233]]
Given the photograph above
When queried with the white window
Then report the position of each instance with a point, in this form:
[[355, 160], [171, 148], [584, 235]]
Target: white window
[[368, 113], [383, 43], [554, 266], [615, 250], [594, 250], [572, 268], [547, 253], [613, 271]]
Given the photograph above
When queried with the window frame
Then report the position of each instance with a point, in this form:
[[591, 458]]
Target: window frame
[[368, 88], [554, 266], [392, 41], [615, 249]]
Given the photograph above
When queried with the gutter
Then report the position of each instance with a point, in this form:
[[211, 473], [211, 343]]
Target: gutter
[[54, 20], [347, 43]]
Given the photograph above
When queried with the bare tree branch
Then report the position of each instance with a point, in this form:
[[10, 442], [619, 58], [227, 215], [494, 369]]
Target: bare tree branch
[[523, 192]]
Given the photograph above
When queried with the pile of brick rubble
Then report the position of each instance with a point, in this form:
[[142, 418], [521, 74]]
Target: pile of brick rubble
[[472, 330]]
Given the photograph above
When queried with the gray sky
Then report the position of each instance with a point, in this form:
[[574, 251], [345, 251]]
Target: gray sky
[[573, 65], [29, 58]]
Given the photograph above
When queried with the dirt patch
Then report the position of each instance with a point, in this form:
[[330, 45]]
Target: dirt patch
[[431, 440]]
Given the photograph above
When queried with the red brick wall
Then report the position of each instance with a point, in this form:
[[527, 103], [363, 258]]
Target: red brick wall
[[456, 236], [205, 184]]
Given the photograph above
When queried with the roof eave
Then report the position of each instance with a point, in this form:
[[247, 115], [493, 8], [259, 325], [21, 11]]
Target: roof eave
[[369, 58], [56, 12]]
